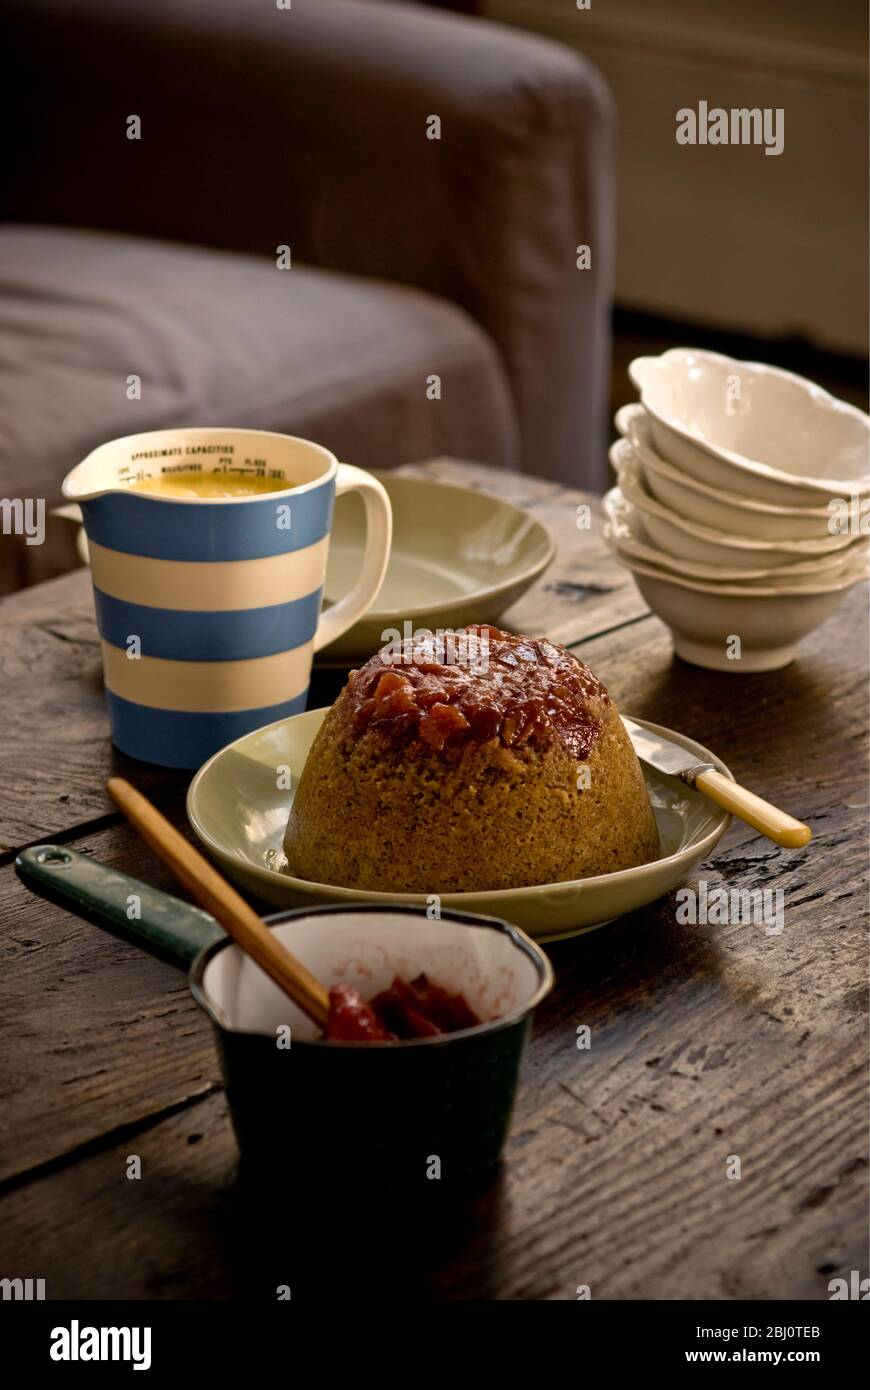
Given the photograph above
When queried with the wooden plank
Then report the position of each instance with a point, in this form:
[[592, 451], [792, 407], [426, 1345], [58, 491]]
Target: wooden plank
[[57, 752], [56, 749], [168, 1233], [706, 1042], [92, 1029]]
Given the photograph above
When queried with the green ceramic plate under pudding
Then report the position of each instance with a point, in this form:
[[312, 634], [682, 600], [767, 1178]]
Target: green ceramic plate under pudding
[[459, 556], [240, 813]]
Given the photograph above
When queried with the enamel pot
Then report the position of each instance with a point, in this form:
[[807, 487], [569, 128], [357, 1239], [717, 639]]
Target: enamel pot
[[392, 1116]]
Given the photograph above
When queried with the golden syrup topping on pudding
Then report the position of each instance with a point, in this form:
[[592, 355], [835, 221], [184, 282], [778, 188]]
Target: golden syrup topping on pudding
[[478, 685], [190, 484]]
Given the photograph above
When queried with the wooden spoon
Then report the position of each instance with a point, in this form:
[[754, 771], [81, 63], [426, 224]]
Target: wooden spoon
[[213, 893]]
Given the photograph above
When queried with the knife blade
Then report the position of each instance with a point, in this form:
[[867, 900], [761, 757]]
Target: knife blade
[[662, 754]]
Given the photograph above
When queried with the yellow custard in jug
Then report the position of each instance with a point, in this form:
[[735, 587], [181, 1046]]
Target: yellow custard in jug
[[188, 483]]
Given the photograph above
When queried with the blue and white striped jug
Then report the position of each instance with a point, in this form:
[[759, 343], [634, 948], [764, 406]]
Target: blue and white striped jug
[[209, 608]]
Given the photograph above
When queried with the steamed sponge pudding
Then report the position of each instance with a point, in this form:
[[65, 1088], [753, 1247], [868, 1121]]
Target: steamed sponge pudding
[[504, 766]]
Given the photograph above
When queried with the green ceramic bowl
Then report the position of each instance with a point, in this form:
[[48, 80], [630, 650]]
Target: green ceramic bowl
[[427, 1113], [459, 556], [239, 812]]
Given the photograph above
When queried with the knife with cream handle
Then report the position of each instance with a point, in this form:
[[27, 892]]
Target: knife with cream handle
[[675, 761]]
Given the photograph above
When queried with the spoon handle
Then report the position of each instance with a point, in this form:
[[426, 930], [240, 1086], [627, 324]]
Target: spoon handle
[[213, 893]]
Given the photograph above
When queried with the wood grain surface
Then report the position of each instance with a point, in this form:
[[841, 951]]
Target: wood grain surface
[[707, 1043]]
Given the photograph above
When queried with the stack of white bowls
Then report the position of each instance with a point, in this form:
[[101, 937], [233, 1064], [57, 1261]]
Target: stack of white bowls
[[743, 504]]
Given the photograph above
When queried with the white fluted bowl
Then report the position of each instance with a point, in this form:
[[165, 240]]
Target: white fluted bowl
[[627, 531], [721, 511], [753, 429], [682, 538], [710, 622]]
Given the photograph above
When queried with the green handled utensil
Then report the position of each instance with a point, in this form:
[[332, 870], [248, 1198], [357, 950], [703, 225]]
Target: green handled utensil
[[161, 923]]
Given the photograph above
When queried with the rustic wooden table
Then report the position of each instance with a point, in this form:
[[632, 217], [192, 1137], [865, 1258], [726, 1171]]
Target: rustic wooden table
[[706, 1042]]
